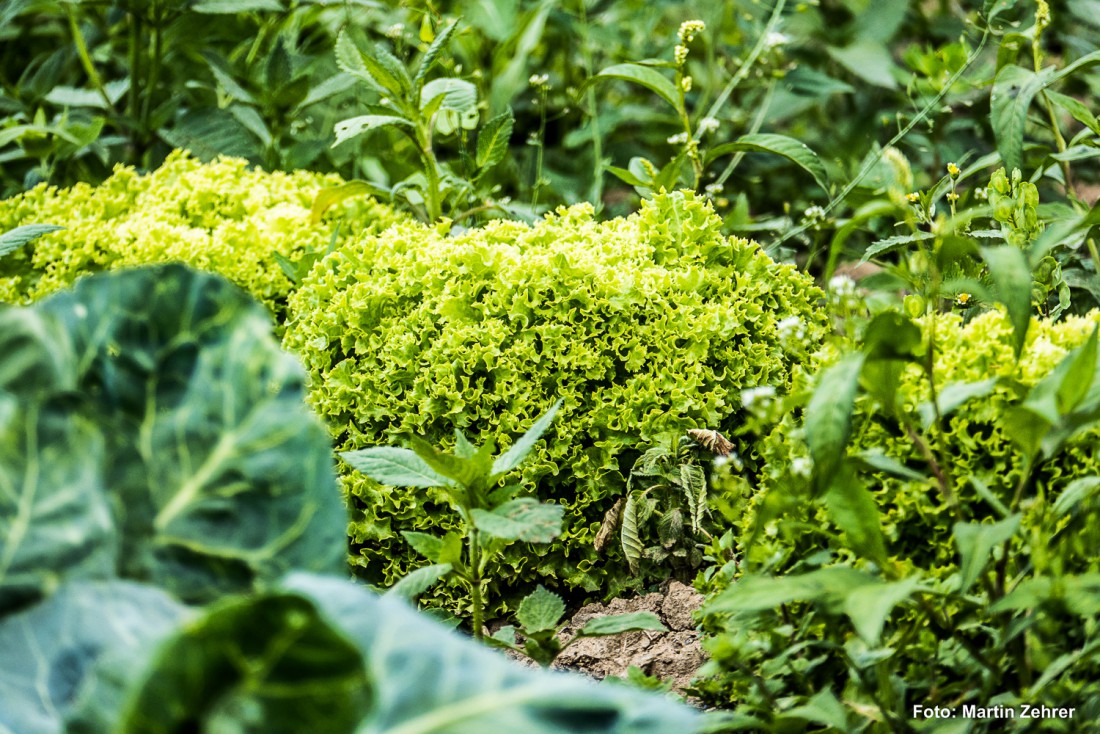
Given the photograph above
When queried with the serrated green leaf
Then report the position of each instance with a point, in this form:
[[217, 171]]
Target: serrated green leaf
[[646, 76], [419, 581], [429, 58], [394, 466], [881, 247], [1012, 278], [355, 126], [515, 455], [425, 544], [540, 610], [13, 239], [793, 150], [524, 519], [617, 624], [975, 541], [492, 141], [829, 417]]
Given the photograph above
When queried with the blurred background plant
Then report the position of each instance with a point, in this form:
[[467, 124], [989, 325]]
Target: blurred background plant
[[689, 94]]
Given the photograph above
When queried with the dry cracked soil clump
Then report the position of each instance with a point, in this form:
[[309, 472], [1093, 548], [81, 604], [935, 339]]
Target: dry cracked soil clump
[[672, 656]]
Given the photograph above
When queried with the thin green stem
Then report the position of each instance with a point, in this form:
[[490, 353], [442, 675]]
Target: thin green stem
[[541, 147], [596, 193], [86, 59], [746, 67], [475, 584], [757, 123], [156, 57]]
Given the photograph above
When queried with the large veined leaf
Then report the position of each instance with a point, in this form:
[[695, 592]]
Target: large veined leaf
[[220, 475], [55, 520], [265, 663], [426, 680], [48, 653]]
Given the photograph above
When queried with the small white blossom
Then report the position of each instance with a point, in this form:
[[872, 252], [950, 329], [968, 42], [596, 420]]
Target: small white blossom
[[539, 81], [708, 125], [396, 30], [842, 285], [814, 213], [775, 40], [757, 397], [713, 189], [791, 328], [678, 139], [680, 54], [802, 466]]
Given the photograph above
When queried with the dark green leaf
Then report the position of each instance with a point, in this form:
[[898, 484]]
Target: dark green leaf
[[271, 660], [760, 593], [953, 396], [432, 681], [881, 247], [822, 708], [540, 610], [852, 507], [793, 150], [524, 519], [975, 541], [221, 478], [1078, 491], [868, 60], [439, 43], [829, 416], [425, 544], [1013, 90], [1012, 277], [646, 76]]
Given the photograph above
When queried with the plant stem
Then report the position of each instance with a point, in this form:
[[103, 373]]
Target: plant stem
[[86, 59], [746, 67], [596, 194], [475, 584]]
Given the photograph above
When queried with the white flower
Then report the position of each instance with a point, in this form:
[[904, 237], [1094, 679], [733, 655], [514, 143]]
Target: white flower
[[689, 28], [775, 39], [395, 30], [791, 328], [842, 285], [713, 189], [802, 466], [678, 139], [708, 125], [539, 81], [757, 396]]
